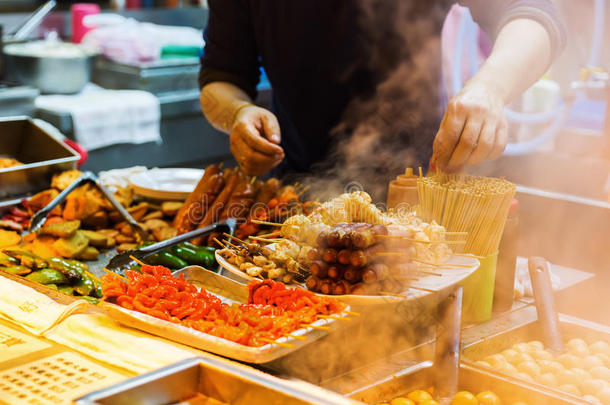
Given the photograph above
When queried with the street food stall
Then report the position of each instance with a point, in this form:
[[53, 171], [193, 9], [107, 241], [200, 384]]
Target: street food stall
[[145, 278]]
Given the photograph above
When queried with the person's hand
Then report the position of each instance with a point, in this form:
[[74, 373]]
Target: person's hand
[[254, 139], [473, 129]]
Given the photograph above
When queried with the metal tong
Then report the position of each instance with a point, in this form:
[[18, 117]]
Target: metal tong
[[125, 260], [87, 177], [545, 303], [447, 346]]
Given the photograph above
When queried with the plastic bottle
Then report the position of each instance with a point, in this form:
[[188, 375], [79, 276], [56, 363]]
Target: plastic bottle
[[507, 261], [403, 190]]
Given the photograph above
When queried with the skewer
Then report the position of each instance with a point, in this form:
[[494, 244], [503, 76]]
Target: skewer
[[253, 180], [389, 254], [303, 190], [421, 174], [93, 276], [220, 243], [392, 294], [430, 273], [454, 233], [274, 233], [423, 289], [263, 239], [468, 255], [308, 325], [232, 245], [426, 263], [140, 262], [297, 337], [275, 342], [220, 165], [339, 318], [420, 241], [352, 313], [118, 275], [233, 237], [256, 221]]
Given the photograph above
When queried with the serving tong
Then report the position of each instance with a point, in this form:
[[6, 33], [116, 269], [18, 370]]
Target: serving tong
[[87, 177], [125, 260]]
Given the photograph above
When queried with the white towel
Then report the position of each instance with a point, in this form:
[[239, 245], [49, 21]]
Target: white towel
[[523, 284], [103, 117]]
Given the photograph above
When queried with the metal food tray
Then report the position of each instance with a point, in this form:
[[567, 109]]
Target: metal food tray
[[231, 384], [570, 327], [471, 379], [43, 155], [228, 291]]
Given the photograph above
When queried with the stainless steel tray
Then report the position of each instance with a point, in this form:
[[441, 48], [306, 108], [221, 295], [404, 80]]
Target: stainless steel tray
[[232, 384], [470, 379], [570, 327], [42, 155], [229, 291]]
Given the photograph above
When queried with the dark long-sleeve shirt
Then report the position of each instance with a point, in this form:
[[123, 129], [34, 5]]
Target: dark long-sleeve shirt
[[361, 70]]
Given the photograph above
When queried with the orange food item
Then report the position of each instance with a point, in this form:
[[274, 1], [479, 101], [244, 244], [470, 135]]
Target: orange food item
[[419, 396], [488, 398], [464, 398], [272, 310], [9, 238]]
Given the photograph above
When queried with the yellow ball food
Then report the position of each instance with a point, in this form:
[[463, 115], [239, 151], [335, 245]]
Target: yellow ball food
[[600, 347], [569, 361], [547, 379], [488, 398], [591, 361], [401, 401], [567, 377], [464, 398], [525, 376], [549, 366], [541, 355], [522, 347], [604, 357], [511, 355], [483, 363], [591, 398], [519, 403], [419, 396], [506, 368], [495, 359], [604, 395], [523, 357], [536, 344], [428, 402], [578, 347], [581, 375], [570, 389], [592, 387], [601, 372], [529, 367]]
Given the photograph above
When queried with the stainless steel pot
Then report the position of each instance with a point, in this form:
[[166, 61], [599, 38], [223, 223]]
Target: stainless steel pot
[[51, 74]]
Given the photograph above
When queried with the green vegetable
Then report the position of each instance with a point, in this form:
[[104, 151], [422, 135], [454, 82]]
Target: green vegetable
[[47, 276], [84, 286], [166, 259], [27, 259], [90, 299], [69, 270], [17, 270], [197, 248], [66, 289], [8, 261], [98, 290], [191, 256], [53, 286]]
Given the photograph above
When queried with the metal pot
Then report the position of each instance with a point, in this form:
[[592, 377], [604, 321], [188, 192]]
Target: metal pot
[[51, 74]]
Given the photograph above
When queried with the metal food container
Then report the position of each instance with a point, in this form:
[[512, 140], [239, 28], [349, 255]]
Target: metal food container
[[22, 139], [470, 379], [220, 380]]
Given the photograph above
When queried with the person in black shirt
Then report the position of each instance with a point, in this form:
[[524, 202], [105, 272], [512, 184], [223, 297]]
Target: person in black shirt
[[363, 77]]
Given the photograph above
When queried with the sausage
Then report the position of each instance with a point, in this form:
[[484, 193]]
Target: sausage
[[343, 256], [268, 190], [379, 229], [240, 201], [352, 274], [369, 276], [313, 283], [365, 289], [327, 287], [219, 203], [197, 202], [313, 254], [359, 258], [322, 239], [335, 272], [382, 271], [363, 238], [329, 255], [342, 287], [336, 238], [319, 269]]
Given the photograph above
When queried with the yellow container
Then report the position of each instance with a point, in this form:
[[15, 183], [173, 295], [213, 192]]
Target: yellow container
[[479, 291]]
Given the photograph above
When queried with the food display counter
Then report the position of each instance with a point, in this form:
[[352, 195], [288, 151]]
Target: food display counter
[[299, 301]]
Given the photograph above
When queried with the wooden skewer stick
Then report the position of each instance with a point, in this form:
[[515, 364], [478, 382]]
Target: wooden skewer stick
[[339, 318], [263, 239], [272, 234], [256, 221], [232, 245], [233, 237], [275, 342], [297, 337], [114, 274], [308, 325], [389, 254], [219, 243], [352, 313], [423, 289], [430, 273], [421, 174], [449, 242], [392, 294], [303, 190], [454, 233], [468, 255], [253, 180], [140, 262]]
